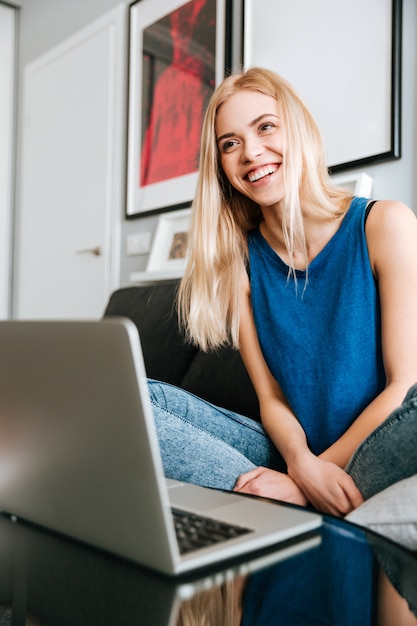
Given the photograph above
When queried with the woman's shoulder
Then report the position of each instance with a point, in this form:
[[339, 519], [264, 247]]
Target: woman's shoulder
[[391, 216], [391, 233]]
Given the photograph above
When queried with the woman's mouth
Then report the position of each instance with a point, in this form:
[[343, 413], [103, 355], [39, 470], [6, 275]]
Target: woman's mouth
[[261, 172]]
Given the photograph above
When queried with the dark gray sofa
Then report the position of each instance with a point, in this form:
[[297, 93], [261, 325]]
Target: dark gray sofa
[[219, 377]]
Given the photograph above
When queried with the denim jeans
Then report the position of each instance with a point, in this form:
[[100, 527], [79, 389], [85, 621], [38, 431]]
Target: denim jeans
[[388, 454], [209, 446], [206, 445]]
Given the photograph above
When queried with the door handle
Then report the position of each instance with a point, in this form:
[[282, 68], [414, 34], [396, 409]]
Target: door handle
[[96, 251]]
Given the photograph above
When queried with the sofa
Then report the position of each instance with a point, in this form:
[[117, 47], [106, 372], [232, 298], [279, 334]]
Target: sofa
[[219, 377]]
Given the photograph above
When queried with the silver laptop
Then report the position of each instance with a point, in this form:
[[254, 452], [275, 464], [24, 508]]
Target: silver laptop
[[79, 452]]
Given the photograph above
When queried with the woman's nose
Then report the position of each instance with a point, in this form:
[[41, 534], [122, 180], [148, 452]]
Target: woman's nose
[[251, 150]]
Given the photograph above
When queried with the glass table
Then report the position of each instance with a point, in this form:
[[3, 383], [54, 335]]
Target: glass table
[[327, 577]]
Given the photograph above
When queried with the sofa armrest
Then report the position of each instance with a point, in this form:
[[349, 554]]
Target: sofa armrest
[[151, 307], [218, 377]]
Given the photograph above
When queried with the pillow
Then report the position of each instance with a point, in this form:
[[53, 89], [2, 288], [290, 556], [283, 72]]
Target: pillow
[[392, 513]]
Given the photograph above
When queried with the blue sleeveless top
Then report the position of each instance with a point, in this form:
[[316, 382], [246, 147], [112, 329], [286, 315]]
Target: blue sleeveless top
[[322, 344]]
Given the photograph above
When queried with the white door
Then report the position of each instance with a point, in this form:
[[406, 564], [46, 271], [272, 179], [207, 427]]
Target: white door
[[71, 172], [7, 105]]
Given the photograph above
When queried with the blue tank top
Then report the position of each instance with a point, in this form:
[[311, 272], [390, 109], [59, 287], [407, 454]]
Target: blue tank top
[[321, 344]]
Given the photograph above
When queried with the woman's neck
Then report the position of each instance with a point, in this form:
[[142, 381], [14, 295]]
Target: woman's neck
[[318, 230]]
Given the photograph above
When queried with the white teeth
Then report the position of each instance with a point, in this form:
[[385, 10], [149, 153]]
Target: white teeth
[[261, 173]]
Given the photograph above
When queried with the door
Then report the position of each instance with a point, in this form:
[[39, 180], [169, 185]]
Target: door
[[7, 107], [68, 240]]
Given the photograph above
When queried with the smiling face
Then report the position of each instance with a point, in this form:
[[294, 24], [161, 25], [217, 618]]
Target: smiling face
[[250, 141]]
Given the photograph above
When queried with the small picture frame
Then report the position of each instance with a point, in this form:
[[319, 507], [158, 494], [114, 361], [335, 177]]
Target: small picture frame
[[360, 184], [169, 251]]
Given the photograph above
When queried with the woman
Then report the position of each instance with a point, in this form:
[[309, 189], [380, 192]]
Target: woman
[[315, 288]]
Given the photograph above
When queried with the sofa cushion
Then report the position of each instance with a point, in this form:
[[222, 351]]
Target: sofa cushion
[[221, 378], [392, 512]]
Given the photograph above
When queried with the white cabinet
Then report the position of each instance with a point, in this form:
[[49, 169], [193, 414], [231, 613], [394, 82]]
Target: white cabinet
[[72, 174]]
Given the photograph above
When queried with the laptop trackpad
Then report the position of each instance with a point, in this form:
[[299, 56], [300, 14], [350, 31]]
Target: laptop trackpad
[[192, 497]]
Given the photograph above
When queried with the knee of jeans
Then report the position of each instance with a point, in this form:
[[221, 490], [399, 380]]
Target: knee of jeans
[[156, 393], [164, 395]]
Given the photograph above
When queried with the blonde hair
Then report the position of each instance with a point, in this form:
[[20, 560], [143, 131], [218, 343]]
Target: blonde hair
[[209, 293], [217, 606]]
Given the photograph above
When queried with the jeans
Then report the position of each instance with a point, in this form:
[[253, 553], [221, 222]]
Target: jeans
[[205, 445], [388, 454], [209, 446]]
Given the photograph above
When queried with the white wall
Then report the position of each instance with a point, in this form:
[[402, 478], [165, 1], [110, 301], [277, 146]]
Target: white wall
[[45, 23]]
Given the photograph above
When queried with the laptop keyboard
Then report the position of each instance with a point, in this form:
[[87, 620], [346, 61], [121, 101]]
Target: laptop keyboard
[[196, 531]]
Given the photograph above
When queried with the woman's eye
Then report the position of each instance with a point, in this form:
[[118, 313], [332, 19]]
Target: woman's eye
[[228, 145], [267, 126]]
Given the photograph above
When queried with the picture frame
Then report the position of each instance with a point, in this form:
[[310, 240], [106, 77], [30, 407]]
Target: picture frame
[[178, 53], [360, 184], [168, 256], [347, 69]]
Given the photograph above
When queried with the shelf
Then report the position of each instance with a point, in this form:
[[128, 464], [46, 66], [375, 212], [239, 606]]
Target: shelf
[[152, 276]]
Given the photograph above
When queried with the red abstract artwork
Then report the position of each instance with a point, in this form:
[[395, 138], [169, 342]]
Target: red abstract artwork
[[178, 80]]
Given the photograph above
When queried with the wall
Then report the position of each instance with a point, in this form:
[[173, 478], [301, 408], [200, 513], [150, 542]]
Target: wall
[[45, 23]]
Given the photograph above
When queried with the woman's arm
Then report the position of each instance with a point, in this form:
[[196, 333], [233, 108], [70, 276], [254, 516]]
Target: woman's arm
[[277, 418], [391, 232]]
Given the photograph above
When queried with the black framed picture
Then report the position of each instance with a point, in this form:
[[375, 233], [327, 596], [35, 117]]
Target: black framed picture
[[346, 67], [178, 54]]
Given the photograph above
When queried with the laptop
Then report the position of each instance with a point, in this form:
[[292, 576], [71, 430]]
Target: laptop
[[79, 453]]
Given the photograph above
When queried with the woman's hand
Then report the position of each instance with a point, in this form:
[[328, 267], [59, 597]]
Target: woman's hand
[[327, 486], [270, 484], [321, 483]]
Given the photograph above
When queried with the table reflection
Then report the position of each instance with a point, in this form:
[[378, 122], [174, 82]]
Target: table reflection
[[324, 596], [329, 577]]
